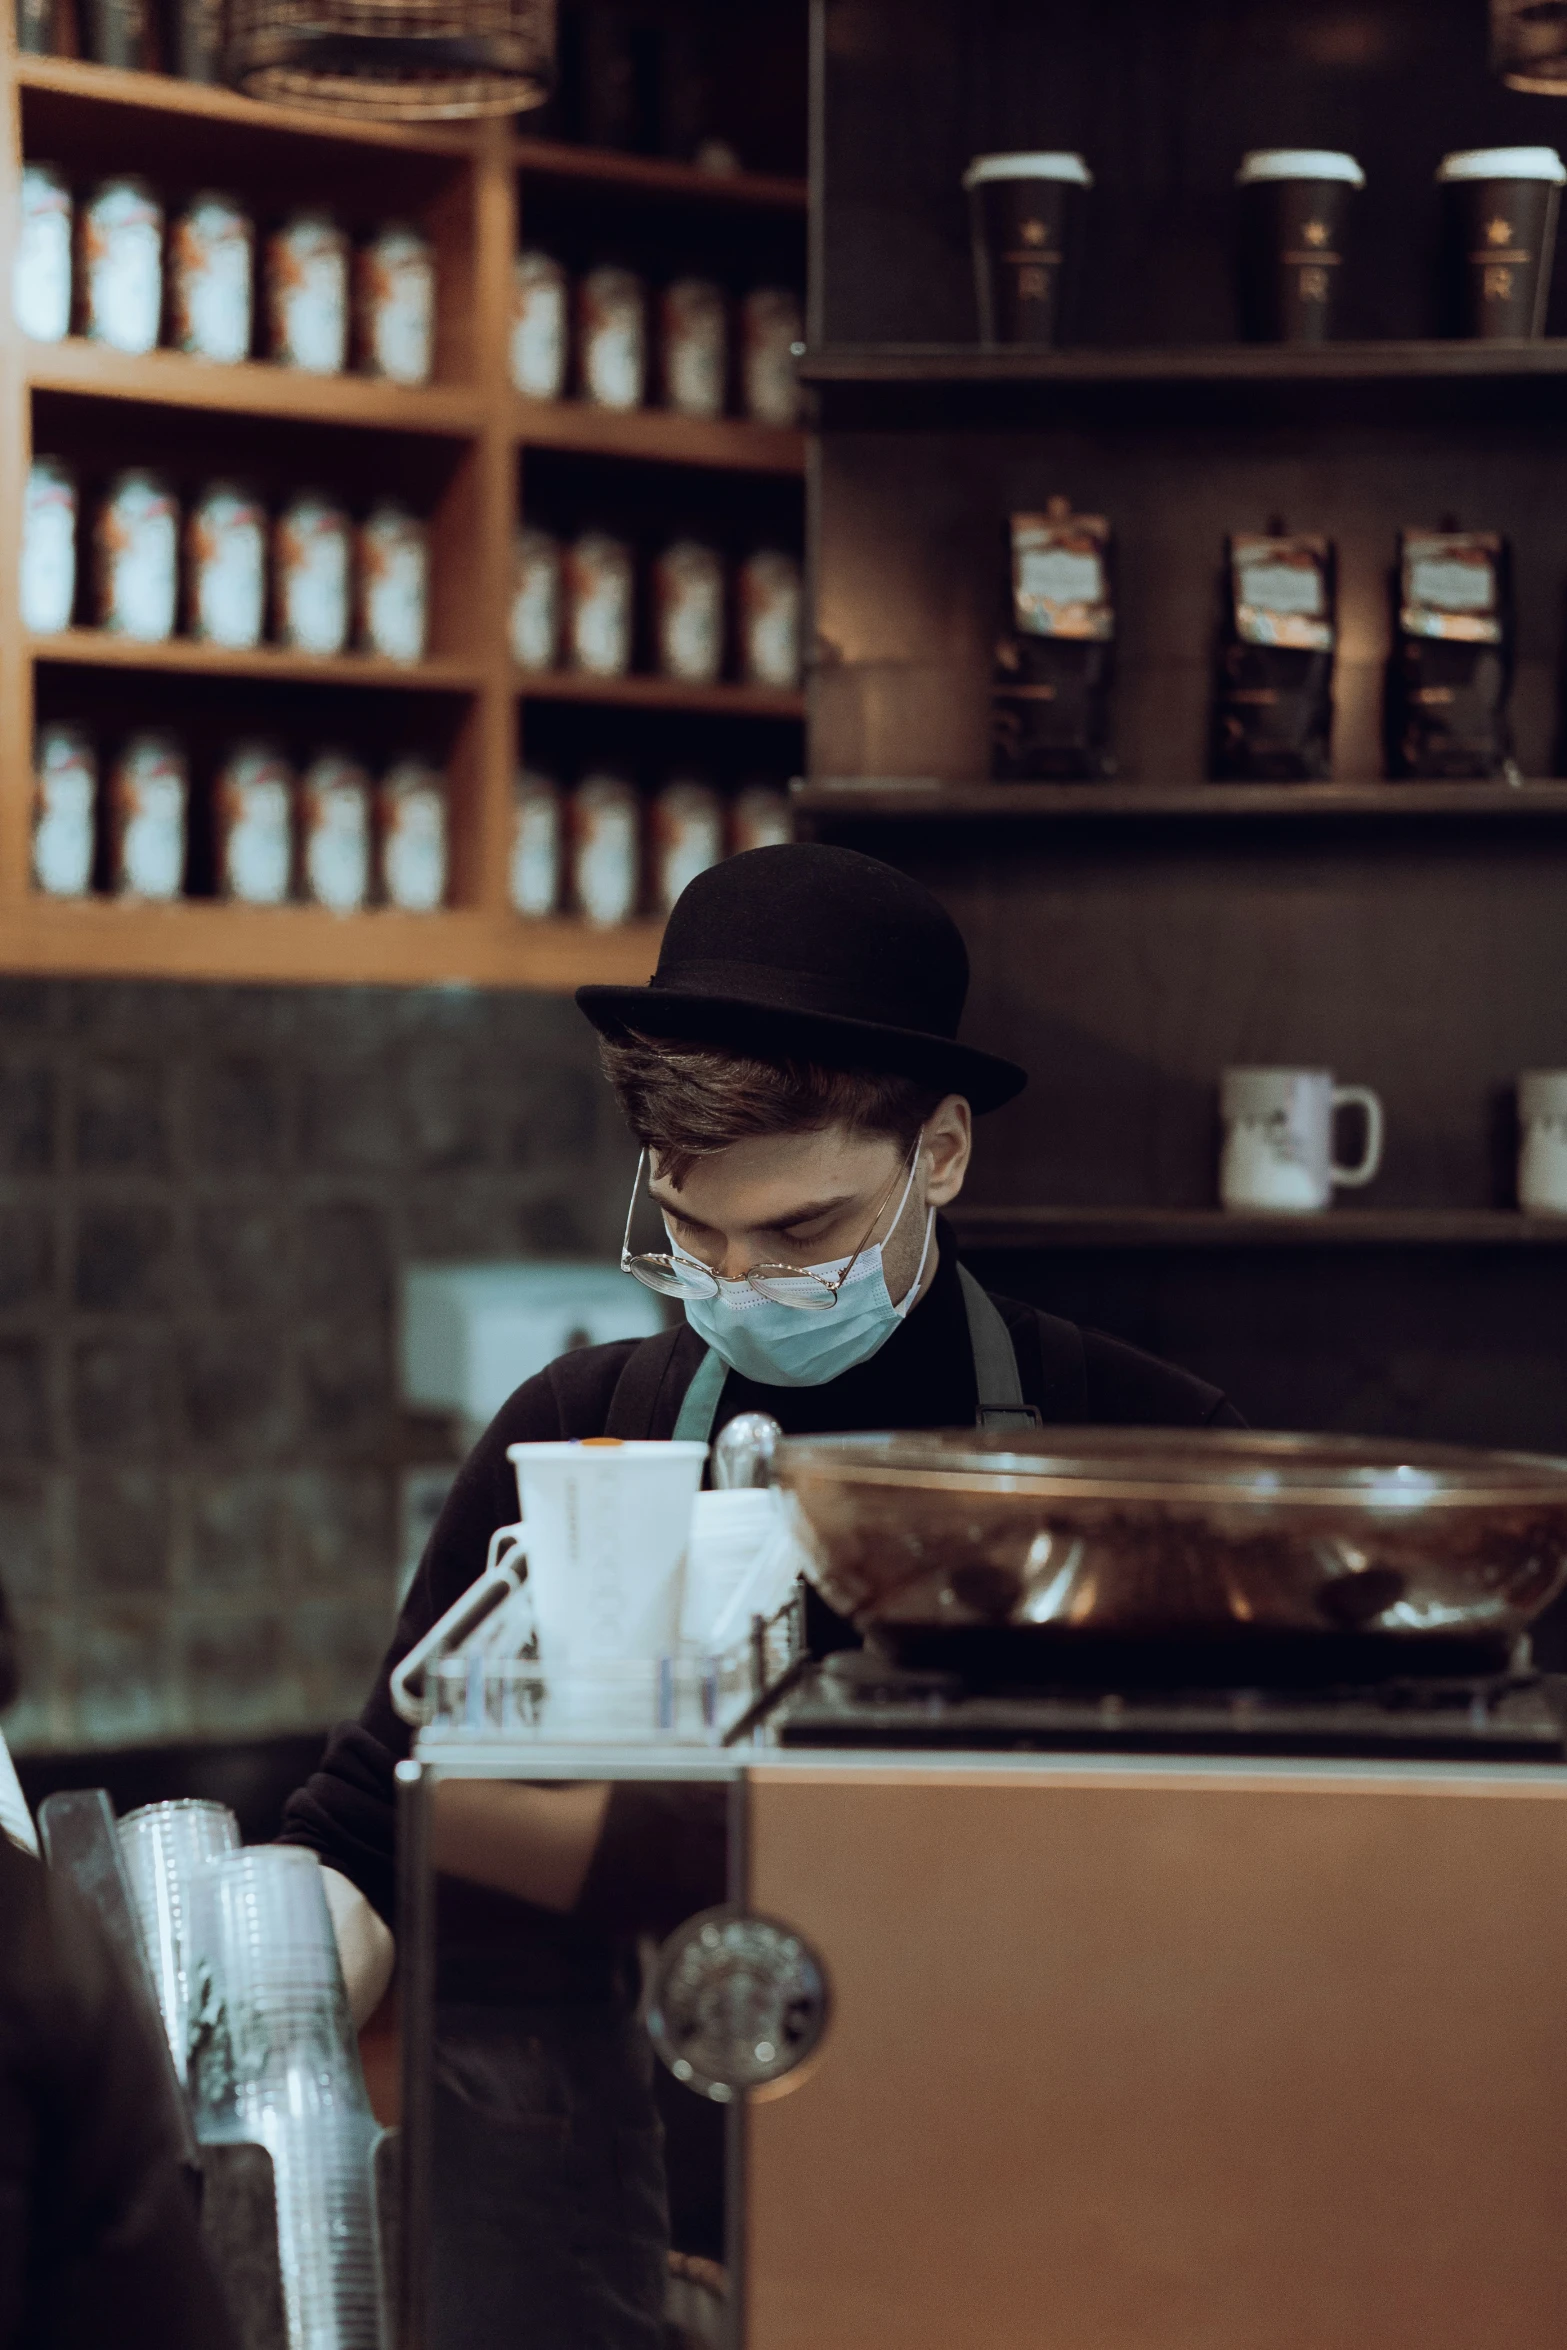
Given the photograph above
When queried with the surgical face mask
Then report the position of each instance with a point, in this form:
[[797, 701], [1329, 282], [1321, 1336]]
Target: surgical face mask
[[788, 1346]]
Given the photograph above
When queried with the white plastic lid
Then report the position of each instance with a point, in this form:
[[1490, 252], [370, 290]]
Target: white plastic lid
[[1299, 163], [1504, 163], [1070, 168]]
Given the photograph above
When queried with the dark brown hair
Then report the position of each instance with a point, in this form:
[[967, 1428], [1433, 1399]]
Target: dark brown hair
[[687, 1101]]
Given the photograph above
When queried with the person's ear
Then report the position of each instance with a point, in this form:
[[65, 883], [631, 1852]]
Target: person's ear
[[949, 1140]]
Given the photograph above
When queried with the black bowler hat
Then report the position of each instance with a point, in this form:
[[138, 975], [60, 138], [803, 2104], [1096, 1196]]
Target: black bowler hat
[[814, 953]]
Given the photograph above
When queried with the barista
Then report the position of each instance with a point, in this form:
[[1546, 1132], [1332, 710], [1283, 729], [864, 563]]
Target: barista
[[793, 1076]]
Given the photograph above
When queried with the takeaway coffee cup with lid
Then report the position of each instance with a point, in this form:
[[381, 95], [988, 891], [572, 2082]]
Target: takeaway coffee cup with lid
[[1295, 206], [1026, 217], [1278, 1139], [1499, 207]]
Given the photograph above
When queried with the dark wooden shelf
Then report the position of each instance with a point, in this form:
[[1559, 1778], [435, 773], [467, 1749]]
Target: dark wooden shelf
[[1094, 803], [657, 436], [1198, 363], [177, 102], [1154, 1228], [661, 693], [95, 648], [653, 175], [251, 387]]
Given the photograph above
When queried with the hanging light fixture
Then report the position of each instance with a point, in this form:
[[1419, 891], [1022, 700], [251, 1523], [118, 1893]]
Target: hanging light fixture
[[395, 60], [1529, 45]]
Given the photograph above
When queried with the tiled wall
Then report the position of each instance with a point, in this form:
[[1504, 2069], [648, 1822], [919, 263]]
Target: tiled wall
[[205, 1194]]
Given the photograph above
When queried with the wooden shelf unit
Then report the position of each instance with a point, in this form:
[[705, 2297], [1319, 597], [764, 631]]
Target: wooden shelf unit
[[661, 693], [96, 648], [1160, 365], [1128, 803], [652, 175], [464, 436], [655, 436], [1215, 1228]]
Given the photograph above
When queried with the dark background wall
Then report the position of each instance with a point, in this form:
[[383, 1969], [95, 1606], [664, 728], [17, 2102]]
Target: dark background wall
[[205, 1197]]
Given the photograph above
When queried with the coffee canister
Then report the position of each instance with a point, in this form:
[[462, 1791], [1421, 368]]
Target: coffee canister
[[307, 293], [226, 566], [410, 803], [606, 848], [196, 31], [612, 338], [537, 845], [540, 339], [1295, 205], [122, 265], [37, 27], [394, 277], [599, 604], [65, 794], [211, 278], [394, 584], [771, 329], [136, 557], [770, 607], [149, 791], [1026, 220], [41, 265], [119, 33], [1499, 211], [48, 578], [536, 600], [310, 571], [693, 347], [688, 836], [688, 611], [334, 824], [253, 821], [760, 819]]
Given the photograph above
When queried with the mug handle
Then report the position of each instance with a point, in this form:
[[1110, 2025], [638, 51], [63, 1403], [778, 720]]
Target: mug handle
[[1348, 1097]]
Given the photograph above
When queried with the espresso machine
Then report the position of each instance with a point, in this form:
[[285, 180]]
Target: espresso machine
[[1152, 1938]]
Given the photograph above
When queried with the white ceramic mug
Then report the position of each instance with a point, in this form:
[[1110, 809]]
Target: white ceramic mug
[[1542, 1142], [1278, 1140]]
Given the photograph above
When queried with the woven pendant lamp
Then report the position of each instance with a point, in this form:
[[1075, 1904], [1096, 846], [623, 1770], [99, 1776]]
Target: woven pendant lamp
[[395, 60]]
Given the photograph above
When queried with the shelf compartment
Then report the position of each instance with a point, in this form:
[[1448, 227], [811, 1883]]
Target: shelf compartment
[[167, 379], [657, 436], [1118, 803], [201, 939], [654, 175], [1161, 365], [1213, 1228], [93, 648], [661, 693], [69, 80]]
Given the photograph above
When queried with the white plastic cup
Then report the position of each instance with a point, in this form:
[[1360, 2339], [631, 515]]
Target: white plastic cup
[[163, 1845], [605, 1525]]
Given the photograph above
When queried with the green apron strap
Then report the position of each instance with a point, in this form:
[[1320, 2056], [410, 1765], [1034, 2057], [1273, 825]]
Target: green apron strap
[[996, 1380], [699, 1406], [1000, 1389]]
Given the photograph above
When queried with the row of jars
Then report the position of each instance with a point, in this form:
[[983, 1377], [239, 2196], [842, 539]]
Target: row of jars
[[330, 576], [574, 605], [616, 340], [103, 267], [597, 851], [329, 836]]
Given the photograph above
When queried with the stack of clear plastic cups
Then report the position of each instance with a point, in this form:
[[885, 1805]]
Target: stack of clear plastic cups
[[163, 1845], [273, 2058]]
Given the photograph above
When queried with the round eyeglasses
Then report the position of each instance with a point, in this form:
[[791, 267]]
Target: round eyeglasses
[[781, 1285]]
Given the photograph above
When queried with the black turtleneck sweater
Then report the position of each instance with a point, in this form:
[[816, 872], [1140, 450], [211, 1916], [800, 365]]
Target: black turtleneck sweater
[[642, 1880]]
